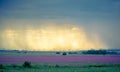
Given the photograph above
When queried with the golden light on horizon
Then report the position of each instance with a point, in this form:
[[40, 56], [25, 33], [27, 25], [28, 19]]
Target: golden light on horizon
[[50, 39]]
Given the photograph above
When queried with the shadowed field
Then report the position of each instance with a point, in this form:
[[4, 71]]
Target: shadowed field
[[39, 59], [81, 63]]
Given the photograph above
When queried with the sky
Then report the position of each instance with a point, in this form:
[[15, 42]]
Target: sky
[[59, 24]]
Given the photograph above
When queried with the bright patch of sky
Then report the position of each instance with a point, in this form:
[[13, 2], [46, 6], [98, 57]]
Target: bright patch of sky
[[101, 17]]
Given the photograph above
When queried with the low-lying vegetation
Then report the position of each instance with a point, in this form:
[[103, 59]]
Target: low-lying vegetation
[[28, 67], [27, 64]]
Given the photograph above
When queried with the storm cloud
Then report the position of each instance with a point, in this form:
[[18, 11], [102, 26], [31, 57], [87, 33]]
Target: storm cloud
[[96, 17]]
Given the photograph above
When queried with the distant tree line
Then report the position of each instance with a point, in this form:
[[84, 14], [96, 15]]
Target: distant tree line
[[98, 52]]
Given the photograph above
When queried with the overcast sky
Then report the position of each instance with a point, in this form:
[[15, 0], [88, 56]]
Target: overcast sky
[[101, 17]]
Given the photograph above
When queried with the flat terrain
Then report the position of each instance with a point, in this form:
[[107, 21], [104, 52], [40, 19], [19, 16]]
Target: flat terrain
[[43, 59], [52, 62]]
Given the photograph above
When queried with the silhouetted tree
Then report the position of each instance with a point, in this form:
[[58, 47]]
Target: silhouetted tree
[[57, 66], [64, 53], [57, 52], [1, 66], [27, 64]]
